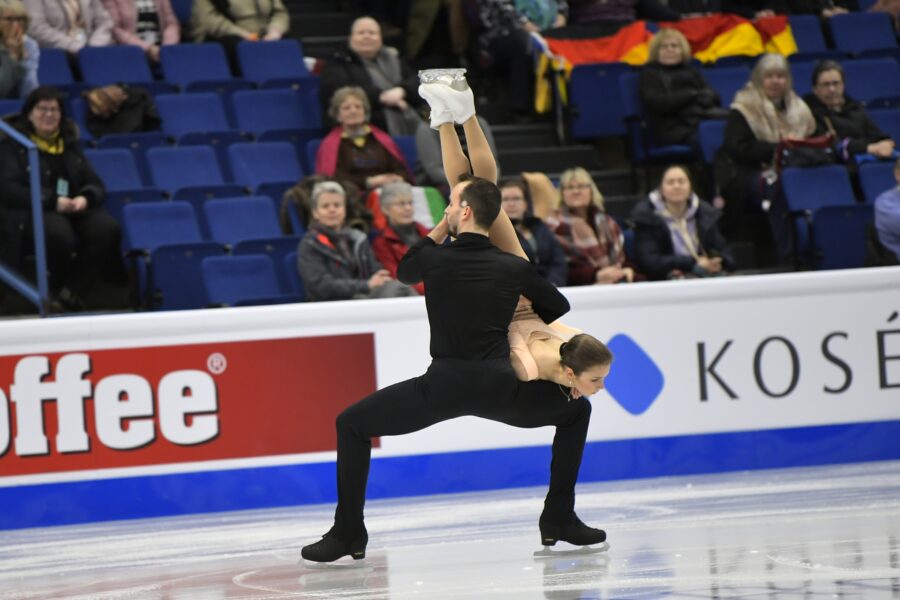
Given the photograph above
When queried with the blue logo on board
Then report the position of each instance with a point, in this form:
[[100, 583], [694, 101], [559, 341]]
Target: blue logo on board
[[635, 381]]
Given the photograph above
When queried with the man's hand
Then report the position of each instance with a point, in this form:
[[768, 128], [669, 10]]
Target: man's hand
[[712, 266], [440, 232]]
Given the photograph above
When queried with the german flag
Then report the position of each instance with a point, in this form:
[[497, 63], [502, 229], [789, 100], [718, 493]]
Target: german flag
[[711, 38]]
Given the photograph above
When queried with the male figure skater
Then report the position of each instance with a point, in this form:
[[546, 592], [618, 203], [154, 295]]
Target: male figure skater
[[471, 291]]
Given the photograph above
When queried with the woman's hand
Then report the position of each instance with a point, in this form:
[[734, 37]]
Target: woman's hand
[[379, 279], [273, 35], [611, 274], [394, 96], [882, 149]]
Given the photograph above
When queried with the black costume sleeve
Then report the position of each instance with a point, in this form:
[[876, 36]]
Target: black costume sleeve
[[547, 302], [412, 265]]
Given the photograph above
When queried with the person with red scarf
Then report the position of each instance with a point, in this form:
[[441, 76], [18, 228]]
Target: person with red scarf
[[357, 151]]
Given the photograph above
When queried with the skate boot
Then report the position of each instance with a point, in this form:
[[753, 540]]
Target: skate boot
[[330, 548], [440, 113], [574, 532]]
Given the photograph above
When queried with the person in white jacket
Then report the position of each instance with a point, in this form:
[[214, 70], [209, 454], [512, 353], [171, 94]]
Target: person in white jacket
[[69, 24]]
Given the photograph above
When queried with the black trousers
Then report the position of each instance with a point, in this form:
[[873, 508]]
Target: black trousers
[[79, 246], [450, 389]]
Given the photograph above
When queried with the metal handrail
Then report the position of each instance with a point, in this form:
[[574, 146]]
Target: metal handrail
[[39, 296]]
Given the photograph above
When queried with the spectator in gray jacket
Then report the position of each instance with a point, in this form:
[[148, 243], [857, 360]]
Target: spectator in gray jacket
[[336, 262]]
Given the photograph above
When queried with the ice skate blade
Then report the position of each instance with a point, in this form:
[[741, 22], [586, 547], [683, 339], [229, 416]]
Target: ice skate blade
[[343, 563], [547, 552]]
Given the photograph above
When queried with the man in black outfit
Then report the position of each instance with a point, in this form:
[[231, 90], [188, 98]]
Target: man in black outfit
[[471, 292]]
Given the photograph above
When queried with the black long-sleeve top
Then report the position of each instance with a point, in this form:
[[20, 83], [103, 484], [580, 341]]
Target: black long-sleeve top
[[471, 291]]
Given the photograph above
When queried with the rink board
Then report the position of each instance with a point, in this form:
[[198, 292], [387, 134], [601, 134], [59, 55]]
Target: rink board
[[129, 416]]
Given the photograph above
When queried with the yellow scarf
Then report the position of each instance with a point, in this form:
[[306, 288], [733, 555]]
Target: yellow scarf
[[358, 140], [54, 145]]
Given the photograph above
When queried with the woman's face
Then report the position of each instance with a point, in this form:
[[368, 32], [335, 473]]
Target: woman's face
[[775, 85], [513, 202], [591, 380], [670, 52], [352, 112], [829, 88], [330, 210], [675, 186], [45, 117], [400, 211], [577, 194], [365, 37]]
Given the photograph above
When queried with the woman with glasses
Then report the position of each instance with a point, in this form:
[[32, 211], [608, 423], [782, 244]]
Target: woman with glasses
[[81, 237], [402, 230], [593, 242], [19, 54]]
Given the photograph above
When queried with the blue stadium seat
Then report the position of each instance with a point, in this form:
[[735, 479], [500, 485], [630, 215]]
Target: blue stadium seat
[[407, 146], [712, 134], [808, 190], [839, 235], [182, 9], [241, 281], [232, 220], [119, 172], [888, 120], [594, 111], [103, 65], [138, 144], [9, 106], [164, 240], [807, 32], [312, 148], [642, 149], [54, 69], [264, 162], [872, 78], [292, 275], [801, 75], [875, 179], [174, 168], [726, 81], [199, 68], [858, 33], [277, 115], [273, 64], [76, 109], [276, 249]]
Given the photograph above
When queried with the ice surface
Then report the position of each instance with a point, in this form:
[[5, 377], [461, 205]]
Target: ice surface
[[824, 532]]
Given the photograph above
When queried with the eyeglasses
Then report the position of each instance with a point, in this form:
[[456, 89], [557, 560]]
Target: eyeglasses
[[577, 186], [20, 19], [402, 203], [830, 84], [47, 110]]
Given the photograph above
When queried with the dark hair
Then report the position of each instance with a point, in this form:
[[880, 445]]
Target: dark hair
[[517, 182], [684, 170], [826, 65], [41, 93], [582, 352], [483, 197]]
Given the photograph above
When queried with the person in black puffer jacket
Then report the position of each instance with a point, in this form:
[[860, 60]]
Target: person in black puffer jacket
[[676, 234], [674, 94], [81, 237]]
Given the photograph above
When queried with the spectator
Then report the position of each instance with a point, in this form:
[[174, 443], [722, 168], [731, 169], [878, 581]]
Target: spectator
[[887, 217], [355, 150], [676, 234], [388, 81], [764, 112], [300, 194], [504, 46], [674, 94], [147, 24], [539, 243], [593, 241], [823, 9], [69, 24], [402, 231], [81, 237], [230, 22], [19, 54], [336, 261], [844, 117]]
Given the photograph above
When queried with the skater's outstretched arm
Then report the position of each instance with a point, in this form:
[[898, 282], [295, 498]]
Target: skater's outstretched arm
[[455, 162]]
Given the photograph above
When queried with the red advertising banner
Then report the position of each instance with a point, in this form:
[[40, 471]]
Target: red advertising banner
[[172, 404]]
